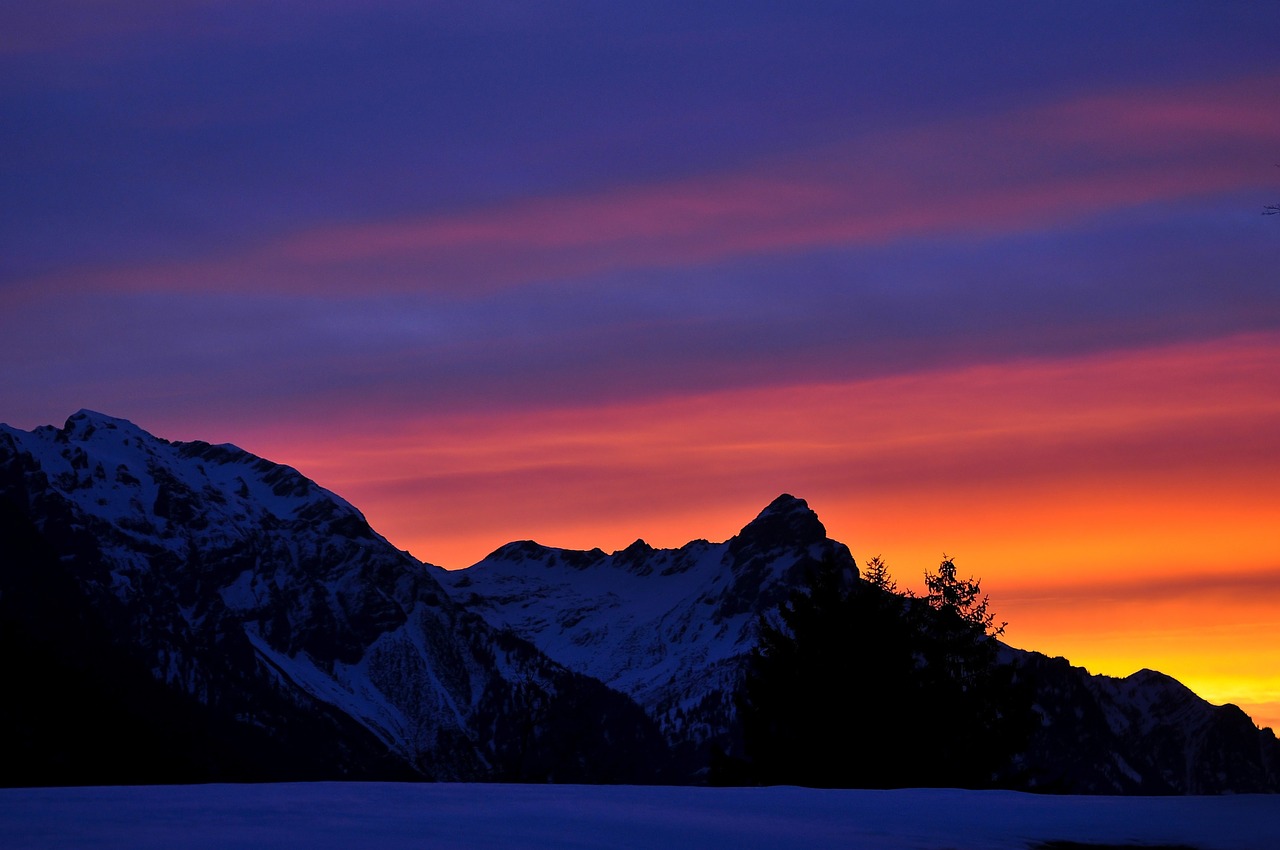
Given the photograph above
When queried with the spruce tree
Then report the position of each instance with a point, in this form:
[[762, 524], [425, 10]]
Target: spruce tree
[[853, 685]]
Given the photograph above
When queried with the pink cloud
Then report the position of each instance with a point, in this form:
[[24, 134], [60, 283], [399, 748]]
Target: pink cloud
[[1105, 500], [977, 177], [994, 175], [1169, 119], [1152, 456]]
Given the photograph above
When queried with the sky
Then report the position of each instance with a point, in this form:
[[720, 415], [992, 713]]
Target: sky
[[989, 280]]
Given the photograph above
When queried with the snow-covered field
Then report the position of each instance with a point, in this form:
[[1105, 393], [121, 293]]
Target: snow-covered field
[[379, 815]]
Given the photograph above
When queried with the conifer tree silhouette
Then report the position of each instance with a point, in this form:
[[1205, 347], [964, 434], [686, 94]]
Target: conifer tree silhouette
[[853, 685]]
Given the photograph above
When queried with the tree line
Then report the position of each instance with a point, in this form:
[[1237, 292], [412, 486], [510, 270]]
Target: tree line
[[852, 684]]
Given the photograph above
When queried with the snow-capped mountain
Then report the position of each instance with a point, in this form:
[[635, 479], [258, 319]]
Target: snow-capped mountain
[[269, 601], [670, 628], [187, 611], [673, 628]]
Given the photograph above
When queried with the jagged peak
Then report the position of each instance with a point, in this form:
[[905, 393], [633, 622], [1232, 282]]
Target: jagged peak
[[547, 556], [217, 452], [519, 550], [785, 503], [638, 549], [84, 422], [88, 413], [787, 521], [635, 558], [1154, 679]]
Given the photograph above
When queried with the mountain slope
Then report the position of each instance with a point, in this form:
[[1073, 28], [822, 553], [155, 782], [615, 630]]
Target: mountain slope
[[191, 612], [673, 629], [269, 604], [1145, 733], [669, 627]]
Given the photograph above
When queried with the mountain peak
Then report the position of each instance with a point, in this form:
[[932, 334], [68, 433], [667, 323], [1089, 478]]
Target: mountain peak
[[786, 504], [93, 417], [519, 550], [786, 521], [84, 423]]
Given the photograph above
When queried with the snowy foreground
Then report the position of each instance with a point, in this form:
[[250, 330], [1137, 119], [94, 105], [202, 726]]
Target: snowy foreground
[[378, 815]]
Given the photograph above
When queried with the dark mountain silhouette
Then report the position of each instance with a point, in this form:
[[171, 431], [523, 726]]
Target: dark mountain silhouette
[[674, 629], [189, 612], [183, 611]]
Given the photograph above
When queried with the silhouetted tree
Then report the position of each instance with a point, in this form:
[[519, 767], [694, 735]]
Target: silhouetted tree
[[852, 685], [877, 575], [952, 596], [825, 675], [978, 717]]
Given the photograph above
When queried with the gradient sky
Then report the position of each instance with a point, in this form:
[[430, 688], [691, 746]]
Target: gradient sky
[[985, 279]]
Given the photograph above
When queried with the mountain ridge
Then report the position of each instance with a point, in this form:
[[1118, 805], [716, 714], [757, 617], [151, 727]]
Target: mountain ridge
[[270, 601], [266, 611], [1145, 733], [668, 627]]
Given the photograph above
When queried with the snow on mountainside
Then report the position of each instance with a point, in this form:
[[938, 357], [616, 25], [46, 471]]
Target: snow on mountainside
[[243, 584], [669, 627], [186, 611], [672, 628]]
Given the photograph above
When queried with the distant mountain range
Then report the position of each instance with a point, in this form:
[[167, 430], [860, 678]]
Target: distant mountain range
[[189, 612]]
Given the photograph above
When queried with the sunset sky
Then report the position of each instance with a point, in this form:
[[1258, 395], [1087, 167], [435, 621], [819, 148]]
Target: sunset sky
[[989, 279]]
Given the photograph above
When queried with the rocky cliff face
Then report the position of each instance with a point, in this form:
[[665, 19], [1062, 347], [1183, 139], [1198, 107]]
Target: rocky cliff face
[[268, 602]]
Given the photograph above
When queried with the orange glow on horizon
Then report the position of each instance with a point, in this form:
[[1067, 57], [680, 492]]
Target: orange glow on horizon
[[1051, 480]]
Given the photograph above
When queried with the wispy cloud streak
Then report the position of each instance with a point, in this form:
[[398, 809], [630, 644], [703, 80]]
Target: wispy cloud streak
[[1185, 425], [974, 179]]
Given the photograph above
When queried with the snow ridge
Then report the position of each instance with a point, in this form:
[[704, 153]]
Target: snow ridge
[[231, 576], [670, 628]]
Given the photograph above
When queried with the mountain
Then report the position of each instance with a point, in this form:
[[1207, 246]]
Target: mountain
[[673, 628], [1145, 734], [187, 611], [180, 611]]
